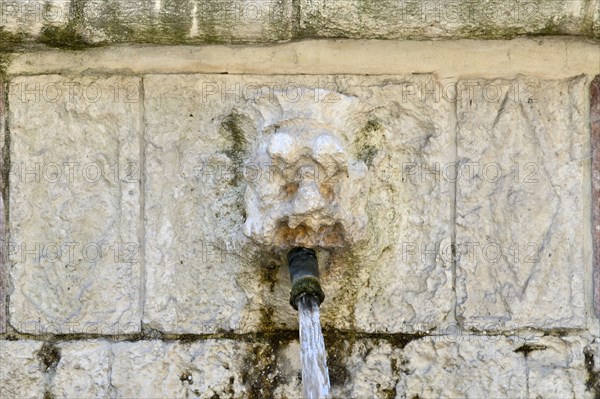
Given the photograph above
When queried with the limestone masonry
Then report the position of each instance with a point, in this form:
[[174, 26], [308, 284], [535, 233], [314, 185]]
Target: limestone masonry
[[149, 194]]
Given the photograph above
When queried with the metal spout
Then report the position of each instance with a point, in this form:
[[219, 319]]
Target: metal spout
[[304, 274]]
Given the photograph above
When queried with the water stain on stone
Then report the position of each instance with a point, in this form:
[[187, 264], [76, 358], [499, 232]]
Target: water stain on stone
[[592, 384], [302, 235]]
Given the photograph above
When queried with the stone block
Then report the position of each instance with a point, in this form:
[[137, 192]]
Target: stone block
[[3, 237], [155, 369], [75, 204], [556, 368], [462, 366], [522, 146], [83, 371], [423, 19], [183, 21], [595, 126], [199, 132], [30, 16], [596, 19], [21, 374]]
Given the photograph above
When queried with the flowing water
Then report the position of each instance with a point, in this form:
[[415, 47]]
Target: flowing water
[[315, 377]]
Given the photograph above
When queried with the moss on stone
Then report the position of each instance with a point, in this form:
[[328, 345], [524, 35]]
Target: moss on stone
[[231, 128], [49, 356], [9, 40], [491, 32], [592, 384], [63, 37], [266, 324], [551, 28], [269, 266], [338, 347], [111, 23], [67, 36], [261, 374], [365, 142]]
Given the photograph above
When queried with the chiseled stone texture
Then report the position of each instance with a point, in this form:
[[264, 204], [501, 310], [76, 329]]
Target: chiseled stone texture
[[21, 374], [154, 369], [30, 16], [595, 126], [188, 209], [3, 256], [74, 204], [83, 370], [596, 19], [397, 279], [558, 370], [184, 21], [463, 367], [520, 203], [438, 19], [3, 269], [453, 366]]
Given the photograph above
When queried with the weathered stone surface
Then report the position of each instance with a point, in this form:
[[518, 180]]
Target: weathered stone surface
[[401, 279], [595, 126], [596, 19], [21, 373], [438, 19], [70, 24], [83, 370], [197, 144], [154, 369], [462, 367], [315, 195], [557, 369], [30, 16], [74, 204], [471, 366], [188, 211], [520, 209], [183, 21], [3, 238], [3, 269], [453, 366]]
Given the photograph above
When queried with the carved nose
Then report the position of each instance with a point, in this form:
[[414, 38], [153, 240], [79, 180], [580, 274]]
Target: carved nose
[[308, 198]]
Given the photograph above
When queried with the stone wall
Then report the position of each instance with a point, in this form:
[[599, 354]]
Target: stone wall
[[125, 272], [84, 23]]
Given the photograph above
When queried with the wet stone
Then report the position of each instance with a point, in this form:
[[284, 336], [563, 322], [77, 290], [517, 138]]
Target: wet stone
[[201, 129]]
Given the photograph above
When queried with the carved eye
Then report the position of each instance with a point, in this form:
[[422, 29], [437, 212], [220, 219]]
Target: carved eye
[[328, 151], [283, 146]]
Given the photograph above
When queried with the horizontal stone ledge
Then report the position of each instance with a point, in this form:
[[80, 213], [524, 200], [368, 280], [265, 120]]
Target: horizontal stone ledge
[[555, 57]]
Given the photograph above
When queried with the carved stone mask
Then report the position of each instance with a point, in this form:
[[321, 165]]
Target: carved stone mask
[[313, 194]]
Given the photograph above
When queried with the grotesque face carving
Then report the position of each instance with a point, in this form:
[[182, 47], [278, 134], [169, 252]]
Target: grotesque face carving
[[310, 192]]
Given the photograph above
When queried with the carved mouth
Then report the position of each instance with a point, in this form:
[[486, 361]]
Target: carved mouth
[[302, 235]]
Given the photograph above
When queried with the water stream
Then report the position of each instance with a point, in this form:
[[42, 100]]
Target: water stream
[[315, 376]]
